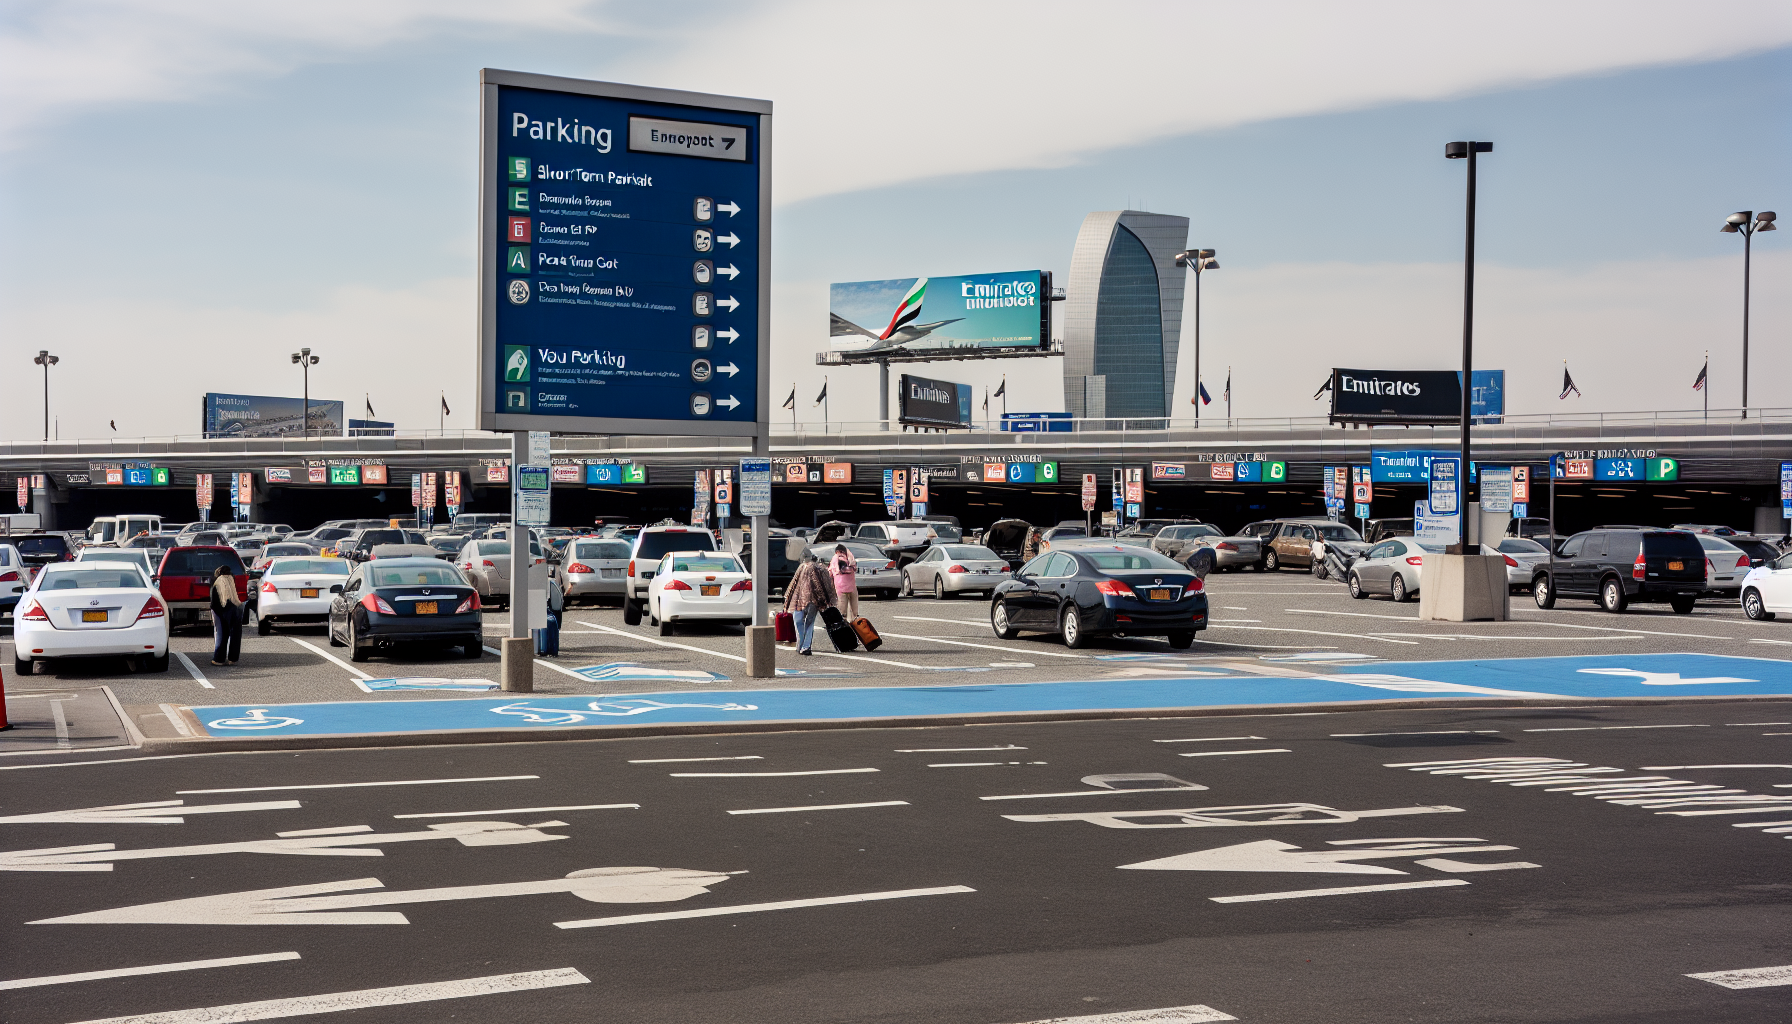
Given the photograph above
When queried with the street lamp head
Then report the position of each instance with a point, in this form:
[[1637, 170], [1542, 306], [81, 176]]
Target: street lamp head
[[1205, 254], [1739, 218], [1764, 221], [1729, 229], [314, 360], [1210, 264], [295, 358], [1460, 150]]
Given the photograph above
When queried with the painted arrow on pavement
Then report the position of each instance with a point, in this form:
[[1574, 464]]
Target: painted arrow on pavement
[[156, 812], [731, 302], [348, 841], [730, 334], [728, 368], [729, 208], [1270, 855], [731, 402], [304, 904], [730, 239], [731, 270]]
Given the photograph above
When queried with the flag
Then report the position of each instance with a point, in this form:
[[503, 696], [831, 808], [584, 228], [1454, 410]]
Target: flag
[[1001, 390], [986, 399], [445, 410], [824, 393], [1206, 399], [790, 403], [1568, 383], [368, 402], [1323, 388], [1227, 394], [1699, 385], [115, 422]]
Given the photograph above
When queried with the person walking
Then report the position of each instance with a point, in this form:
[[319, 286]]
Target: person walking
[[845, 572], [811, 589], [547, 639], [227, 618]]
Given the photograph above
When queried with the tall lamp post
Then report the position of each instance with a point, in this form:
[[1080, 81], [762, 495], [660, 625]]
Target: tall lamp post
[[1459, 151], [1740, 223], [304, 358], [1197, 260], [45, 361]]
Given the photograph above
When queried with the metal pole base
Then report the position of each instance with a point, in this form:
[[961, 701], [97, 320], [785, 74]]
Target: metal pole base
[[762, 652], [518, 668]]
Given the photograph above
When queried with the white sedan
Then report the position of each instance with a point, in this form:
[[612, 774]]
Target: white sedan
[[1725, 566], [1391, 567], [295, 590], [699, 586], [1767, 589], [91, 610]]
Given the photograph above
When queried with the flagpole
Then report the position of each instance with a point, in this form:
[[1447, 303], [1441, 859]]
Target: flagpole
[[1705, 375], [824, 403], [1228, 393]]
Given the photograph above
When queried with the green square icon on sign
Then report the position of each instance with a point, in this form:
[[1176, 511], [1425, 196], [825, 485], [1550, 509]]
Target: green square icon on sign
[[519, 200], [634, 473], [516, 364], [1048, 472], [158, 476], [1662, 468], [518, 168], [1275, 472], [517, 262]]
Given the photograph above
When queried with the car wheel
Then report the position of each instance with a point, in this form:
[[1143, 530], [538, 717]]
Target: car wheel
[[908, 586], [1317, 568], [939, 589], [473, 649], [155, 663], [1399, 588], [1070, 627], [1611, 596], [665, 627], [1201, 562], [1272, 562], [1682, 605], [998, 621], [263, 627], [1356, 587], [355, 651], [22, 666], [1543, 592], [330, 628], [1753, 607], [1182, 641], [887, 595], [631, 613], [653, 620]]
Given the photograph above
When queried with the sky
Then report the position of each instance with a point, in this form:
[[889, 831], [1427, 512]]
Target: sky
[[190, 191]]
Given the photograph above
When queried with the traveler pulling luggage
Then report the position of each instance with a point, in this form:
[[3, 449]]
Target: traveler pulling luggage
[[840, 631], [867, 633]]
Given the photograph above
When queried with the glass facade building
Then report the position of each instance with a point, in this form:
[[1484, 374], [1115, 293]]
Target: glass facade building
[[1123, 315]]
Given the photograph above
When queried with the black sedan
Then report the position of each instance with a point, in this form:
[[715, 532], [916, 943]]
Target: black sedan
[[1084, 590], [390, 601]]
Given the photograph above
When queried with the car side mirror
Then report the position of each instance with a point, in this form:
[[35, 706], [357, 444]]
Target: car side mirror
[[335, 588]]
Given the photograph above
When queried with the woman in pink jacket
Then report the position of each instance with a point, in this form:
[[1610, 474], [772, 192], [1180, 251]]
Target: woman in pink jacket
[[846, 582]]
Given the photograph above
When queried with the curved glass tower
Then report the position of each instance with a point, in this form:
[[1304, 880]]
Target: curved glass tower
[[1123, 315]]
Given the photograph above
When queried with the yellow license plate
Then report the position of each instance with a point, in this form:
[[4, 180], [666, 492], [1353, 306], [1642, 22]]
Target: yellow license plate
[[1676, 566], [708, 591], [1159, 595], [308, 592], [426, 607], [93, 616]]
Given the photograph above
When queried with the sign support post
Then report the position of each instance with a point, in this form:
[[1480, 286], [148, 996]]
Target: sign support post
[[517, 669], [756, 502]]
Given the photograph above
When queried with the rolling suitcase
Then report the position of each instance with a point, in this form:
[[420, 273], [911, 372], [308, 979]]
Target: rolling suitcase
[[784, 628], [840, 631], [867, 633]]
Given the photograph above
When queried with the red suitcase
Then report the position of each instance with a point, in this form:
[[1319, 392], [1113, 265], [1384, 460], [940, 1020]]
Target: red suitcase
[[867, 633], [784, 625]]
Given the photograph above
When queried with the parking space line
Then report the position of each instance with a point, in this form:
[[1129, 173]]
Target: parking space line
[[525, 810], [1213, 739], [754, 908], [128, 972], [1195, 1014], [357, 675], [677, 760], [767, 775], [1753, 977], [953, 750], [1316, 632], [1228, 753], [193, 670], [493, 651], [1258, 647], [359, 785], [1601, 728], [820, 807], [1354, 615], [987, 647], [1433, 732], [1340, 891], [660, 643], [1619, 629]]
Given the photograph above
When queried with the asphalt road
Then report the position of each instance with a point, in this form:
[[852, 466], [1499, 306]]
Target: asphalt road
[[1493, 895]]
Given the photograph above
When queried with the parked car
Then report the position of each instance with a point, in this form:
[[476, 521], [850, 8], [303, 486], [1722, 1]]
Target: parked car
[[1767, 589], [833, 529], [1301, 543], [37, 550], [1205, 551], [485, 565], [784, 549], [1008, 539], [92, 610], [878, 577], [1337, 544], [129, 556], [12, 578], [593, 570], [652, 544], [947, 570], [1098, 589], [283, 549], [1061, 533], [185, 579], [1377, 530], [297, 589], [1726, 565], [1522, 556], [392, 601], [1707, 528], [1760, 550], [1534, 528], [1391, 567], [407, 551], [1616, 567], [358, 546], [113, 530], [448, 545], [699, 586], [156, 542], [901, 541]]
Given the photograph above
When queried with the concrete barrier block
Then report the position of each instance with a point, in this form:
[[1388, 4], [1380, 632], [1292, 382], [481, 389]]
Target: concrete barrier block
[[1464, 588]]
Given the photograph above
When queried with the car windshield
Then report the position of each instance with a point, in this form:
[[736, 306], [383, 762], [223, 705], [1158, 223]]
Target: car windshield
[[307, 567], [600, 549], [494, 547], [372, 537], [285, 549], [860, 552], [200, 563], [657, 545], [698, 563], [122, 578], [972, 552], [1520, 546], [415, 575], [41, 545], [948, 533], [1338, 531], [1710, 543], [1141, 559], [114, 555]]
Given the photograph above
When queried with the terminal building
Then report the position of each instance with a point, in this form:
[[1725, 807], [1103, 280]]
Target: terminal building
[[1122, 320]]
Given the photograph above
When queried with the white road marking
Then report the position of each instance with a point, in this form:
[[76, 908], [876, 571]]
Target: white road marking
[[1229, 753], [359, 785], [1234, 608], [954, 750], [341, 830], [332, 1002], [1297, 894], [767, 775], [127, 972], [524, 810], [677, 760], [1213, 739], [866, 657], [754, 908], [158, 812], [1619, 629], [356, 676], [1276, 856], [1683, 767], [1742, 724], [1316, 632], [820, 807], [658, 642], [1595, 728], [1435, 732], [1354, 615], [60, 718], [1457, 867], [309, 842], [1196, 1014], [1262, 647], [193, 670], [1753, 977], [981, 764]]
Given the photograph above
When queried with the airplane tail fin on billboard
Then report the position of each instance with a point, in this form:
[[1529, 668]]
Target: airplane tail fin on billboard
[[908, 310]]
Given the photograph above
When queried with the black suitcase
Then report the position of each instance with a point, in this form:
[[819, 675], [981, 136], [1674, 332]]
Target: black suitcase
[[840, 631]]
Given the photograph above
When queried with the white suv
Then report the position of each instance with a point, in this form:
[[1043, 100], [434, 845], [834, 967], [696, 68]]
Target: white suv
[[652, 544]]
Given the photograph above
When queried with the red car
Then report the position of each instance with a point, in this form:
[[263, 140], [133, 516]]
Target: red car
[[185, 579]]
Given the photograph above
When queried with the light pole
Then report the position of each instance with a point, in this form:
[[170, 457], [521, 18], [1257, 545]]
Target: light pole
[[305, 359], [1197, 260], [1740, 223], [46, 360], [1458, 151]]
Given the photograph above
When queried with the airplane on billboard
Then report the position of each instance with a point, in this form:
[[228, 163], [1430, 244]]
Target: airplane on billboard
[[902, 330]]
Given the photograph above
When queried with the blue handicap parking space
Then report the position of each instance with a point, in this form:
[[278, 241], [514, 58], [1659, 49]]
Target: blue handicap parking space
[[1604, 676]]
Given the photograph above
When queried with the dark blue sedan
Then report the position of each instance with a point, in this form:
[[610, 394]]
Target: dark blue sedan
[[389, 601], [1084, 590]]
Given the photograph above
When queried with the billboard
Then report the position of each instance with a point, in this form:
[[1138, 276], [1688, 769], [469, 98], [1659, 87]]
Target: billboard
[[958, 315], [1415, 396], [934, 403], [262, 416]]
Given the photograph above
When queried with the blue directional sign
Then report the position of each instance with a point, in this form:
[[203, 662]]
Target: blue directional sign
[[624, 232]]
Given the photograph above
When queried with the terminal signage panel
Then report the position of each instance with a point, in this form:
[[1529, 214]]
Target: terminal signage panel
[[624, 235], [957, 315], [1396, 396], [934, 403]]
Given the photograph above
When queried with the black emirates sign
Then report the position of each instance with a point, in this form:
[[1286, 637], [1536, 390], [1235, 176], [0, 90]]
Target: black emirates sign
[[934, 403], [1396, 396]]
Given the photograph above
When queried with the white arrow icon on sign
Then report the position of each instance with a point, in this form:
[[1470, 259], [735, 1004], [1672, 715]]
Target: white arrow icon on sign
[[1664, 678], [731, 402], [730, 334], [731, 302], [303, 904], [348, 841], [159, 812], [728, 368], [1270, 855], [730, 239], [729, 208], [731, 270]]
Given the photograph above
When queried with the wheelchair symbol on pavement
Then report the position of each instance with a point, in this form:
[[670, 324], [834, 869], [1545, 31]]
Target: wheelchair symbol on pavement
[[254, 718]]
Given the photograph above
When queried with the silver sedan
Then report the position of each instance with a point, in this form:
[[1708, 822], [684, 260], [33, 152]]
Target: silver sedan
[[877, 575], [593, 570], [947, 569], [1523, 556]]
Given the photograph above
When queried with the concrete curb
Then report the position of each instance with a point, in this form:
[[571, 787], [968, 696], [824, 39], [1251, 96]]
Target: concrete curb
[[541, 734]]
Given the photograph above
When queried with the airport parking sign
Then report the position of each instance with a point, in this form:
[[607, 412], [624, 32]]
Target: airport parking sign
[[623, 235]]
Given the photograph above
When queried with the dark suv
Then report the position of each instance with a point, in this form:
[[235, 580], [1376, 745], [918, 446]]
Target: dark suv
[[1618, 565]]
